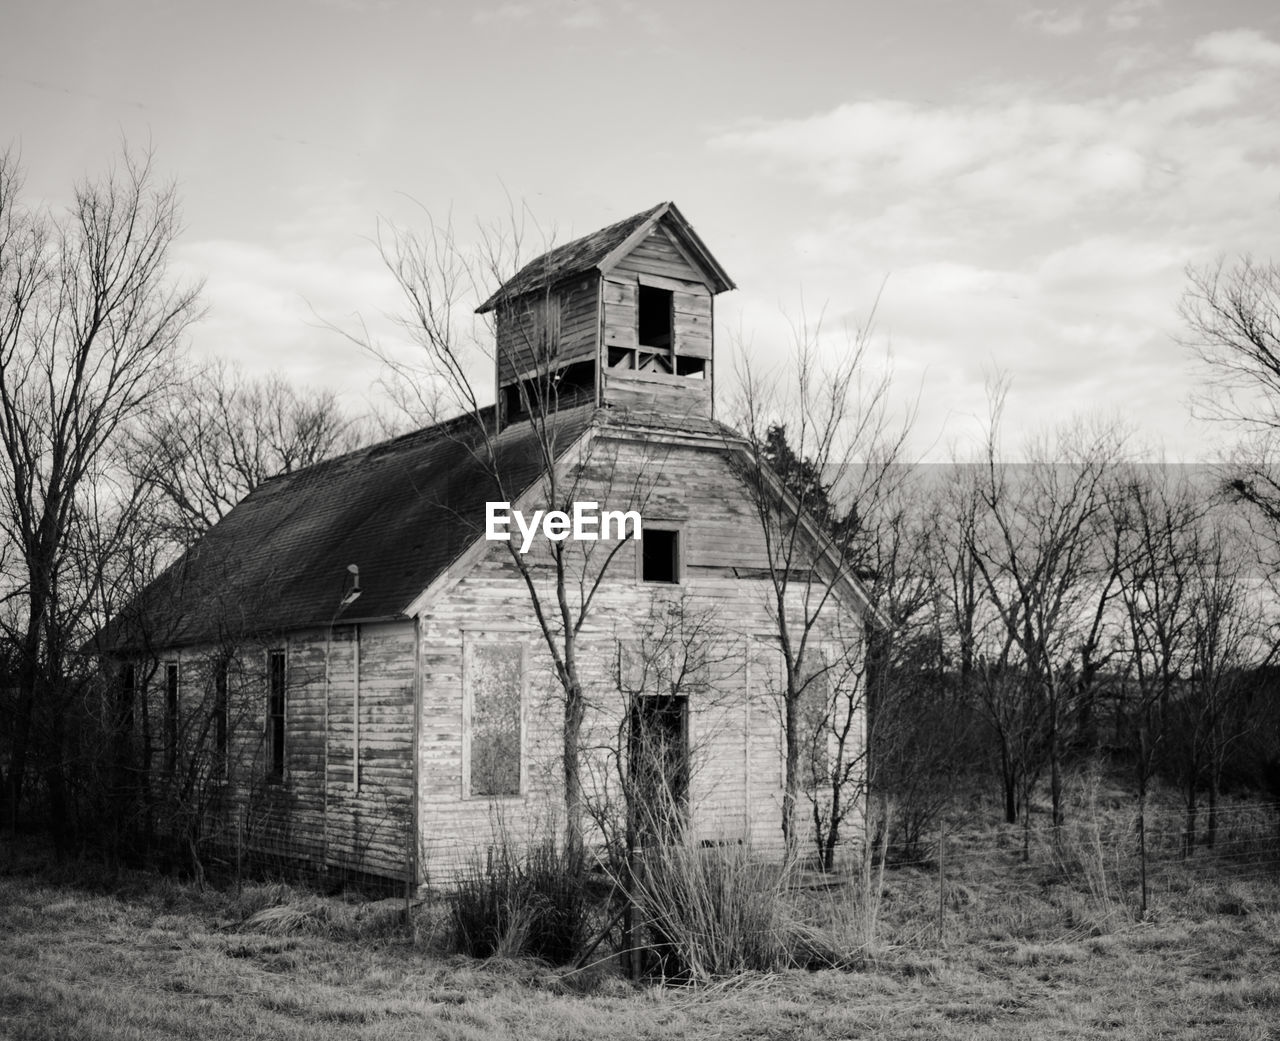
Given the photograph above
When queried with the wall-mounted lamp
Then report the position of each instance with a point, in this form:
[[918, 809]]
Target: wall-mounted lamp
[[353, 594]]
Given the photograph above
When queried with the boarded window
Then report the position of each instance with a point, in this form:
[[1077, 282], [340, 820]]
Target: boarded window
[[275, 714], [814, 710], [494, 679]]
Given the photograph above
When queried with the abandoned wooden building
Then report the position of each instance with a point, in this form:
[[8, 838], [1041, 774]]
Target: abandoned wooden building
[[363, 670]]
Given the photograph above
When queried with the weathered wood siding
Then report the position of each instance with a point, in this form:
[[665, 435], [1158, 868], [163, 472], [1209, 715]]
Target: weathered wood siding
[[570, 314], [657, 254], [314, 813], [656, 390], [735, 744], [657, 261]]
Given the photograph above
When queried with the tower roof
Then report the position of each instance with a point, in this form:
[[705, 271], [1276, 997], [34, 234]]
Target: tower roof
[[600, 250]]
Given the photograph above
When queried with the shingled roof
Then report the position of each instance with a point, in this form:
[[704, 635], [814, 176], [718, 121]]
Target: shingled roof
[[402, 511], [600, 250]]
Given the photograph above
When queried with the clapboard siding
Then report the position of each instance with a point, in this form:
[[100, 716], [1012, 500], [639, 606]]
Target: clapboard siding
[[564, 321], [314, 813], [657, 254], [674, 394], [736, 789]]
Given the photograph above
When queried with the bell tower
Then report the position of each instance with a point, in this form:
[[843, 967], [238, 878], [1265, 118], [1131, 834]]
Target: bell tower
[[621, 318]]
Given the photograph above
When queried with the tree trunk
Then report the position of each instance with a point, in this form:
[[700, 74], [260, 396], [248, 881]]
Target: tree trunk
[[573, 713], [1189, 835], [28, 698], [1008, 777], [791, 789], [833, 832]]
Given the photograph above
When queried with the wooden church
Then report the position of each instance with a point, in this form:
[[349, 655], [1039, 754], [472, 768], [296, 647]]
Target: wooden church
[[356, 677]]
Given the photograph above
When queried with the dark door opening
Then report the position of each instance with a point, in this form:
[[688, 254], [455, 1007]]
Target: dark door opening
[[658, 752]]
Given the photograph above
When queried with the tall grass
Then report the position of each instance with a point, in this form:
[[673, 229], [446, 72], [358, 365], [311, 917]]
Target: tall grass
[[539, 902], [708, 913]]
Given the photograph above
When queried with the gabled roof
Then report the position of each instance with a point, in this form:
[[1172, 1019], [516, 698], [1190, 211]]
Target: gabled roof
[[401, 511], [600, 250]]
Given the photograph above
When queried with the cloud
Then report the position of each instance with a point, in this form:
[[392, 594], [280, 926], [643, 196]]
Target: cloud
[[1128, 14], [1053, 22], [511, 12], [266, 308], [1239, 47], [1043, 236], [571, 14]]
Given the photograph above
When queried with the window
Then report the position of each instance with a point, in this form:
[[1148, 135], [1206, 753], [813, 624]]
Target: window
[[559, 388], [171, 716], [814, 708], [221, 714], [492, 724], [660, 555], [275, 714], [655, 317]]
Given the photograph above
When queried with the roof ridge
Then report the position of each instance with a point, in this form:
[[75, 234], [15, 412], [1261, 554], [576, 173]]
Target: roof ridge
[[542, 268], [422, 435]]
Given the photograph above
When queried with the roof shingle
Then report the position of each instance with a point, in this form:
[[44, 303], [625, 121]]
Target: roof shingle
[[401, 511]]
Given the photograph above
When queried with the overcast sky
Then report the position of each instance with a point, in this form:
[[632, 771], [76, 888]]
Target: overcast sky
[[1027, 183]]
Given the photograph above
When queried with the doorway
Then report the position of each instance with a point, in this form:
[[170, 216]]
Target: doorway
[[658, 753]]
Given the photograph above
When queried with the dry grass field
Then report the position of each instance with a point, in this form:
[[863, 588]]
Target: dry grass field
[[1027, 952]]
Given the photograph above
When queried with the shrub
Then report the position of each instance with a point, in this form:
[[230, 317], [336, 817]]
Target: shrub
[[538, 902]]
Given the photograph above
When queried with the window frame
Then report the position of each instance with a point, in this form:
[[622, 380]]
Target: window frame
[[276, 763], [222, 717], [669, 348], [470, 640], [681, 553]]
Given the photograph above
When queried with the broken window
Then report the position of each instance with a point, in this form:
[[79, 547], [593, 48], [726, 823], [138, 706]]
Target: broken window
[[494, 683], [694, 368], [275, 714], [563, 388], [660, 555], [655, 317]]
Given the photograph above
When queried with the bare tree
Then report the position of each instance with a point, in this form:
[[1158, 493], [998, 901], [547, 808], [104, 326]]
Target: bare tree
[[1228, 635], [1152, 539], [1232, 316], [90, 330], [844, 448], [225, 435], [441, 279], [1036, 552]]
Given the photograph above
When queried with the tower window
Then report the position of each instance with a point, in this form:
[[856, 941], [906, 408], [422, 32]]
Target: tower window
[[655, 321]]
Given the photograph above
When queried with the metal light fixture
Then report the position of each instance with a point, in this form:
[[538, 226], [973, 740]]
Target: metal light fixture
[[353, 594]]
